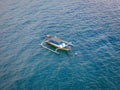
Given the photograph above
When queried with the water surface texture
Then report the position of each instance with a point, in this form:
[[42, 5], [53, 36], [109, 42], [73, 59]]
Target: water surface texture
[[93, 26]]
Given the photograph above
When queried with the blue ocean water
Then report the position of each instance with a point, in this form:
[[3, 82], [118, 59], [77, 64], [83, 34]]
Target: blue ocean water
[[93, 26]]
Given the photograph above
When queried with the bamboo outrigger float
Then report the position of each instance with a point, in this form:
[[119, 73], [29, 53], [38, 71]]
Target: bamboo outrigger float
[[57, 43]]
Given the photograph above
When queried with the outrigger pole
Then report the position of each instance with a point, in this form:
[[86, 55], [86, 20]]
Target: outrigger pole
[[55, 51], [68, 43]]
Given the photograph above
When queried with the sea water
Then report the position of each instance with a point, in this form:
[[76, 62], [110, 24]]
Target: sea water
[[93, 63]]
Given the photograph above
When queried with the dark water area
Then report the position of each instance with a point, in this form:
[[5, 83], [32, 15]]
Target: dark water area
[[93, 26]]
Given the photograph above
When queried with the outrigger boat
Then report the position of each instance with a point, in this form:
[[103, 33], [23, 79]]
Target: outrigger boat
[[57, 43]]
